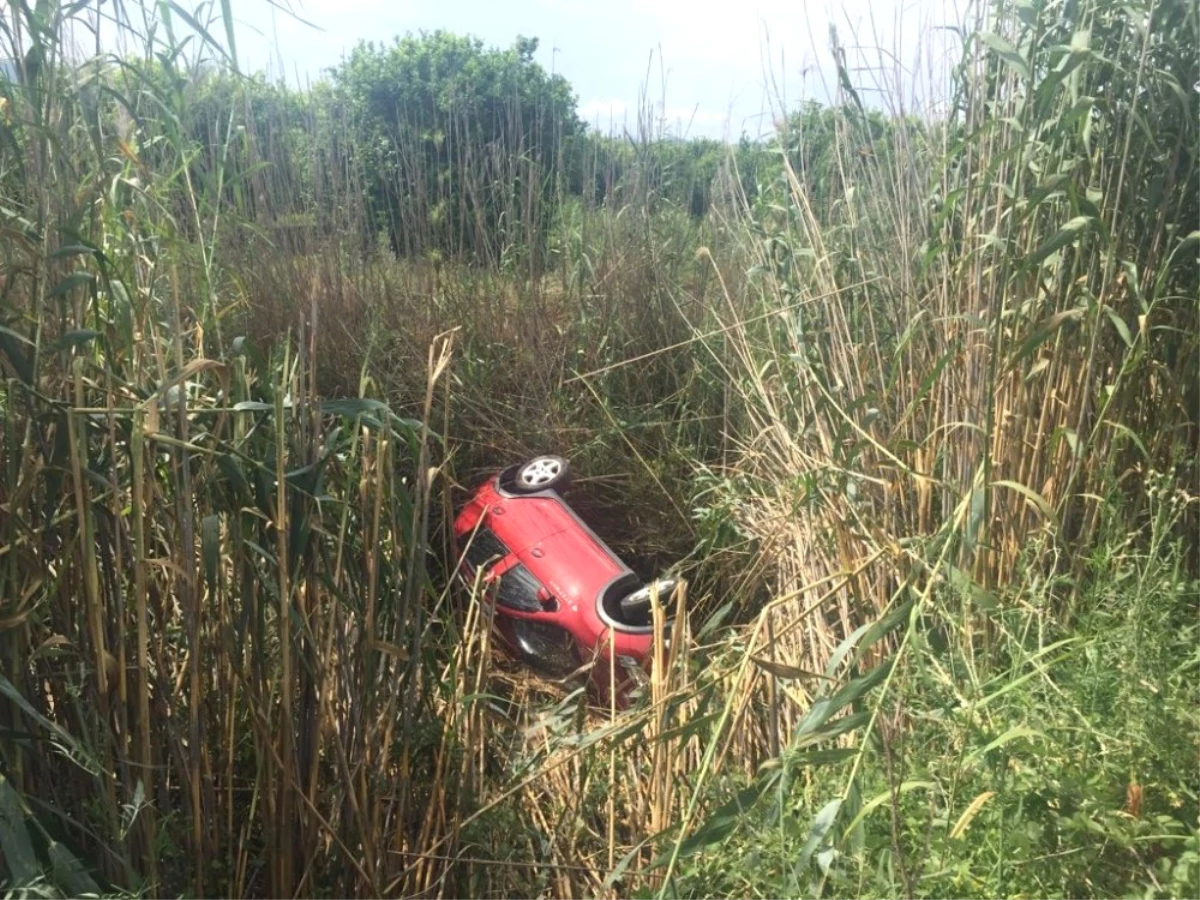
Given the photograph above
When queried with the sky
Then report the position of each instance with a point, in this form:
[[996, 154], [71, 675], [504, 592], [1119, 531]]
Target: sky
[[712, 69], [706, 68]]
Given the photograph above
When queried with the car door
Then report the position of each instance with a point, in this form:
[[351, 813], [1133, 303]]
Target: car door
[[541, 643]]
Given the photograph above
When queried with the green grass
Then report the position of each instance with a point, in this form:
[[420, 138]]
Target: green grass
[[912, 406]]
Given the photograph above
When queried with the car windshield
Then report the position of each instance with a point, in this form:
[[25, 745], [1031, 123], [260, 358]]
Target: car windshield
[[545, 646]]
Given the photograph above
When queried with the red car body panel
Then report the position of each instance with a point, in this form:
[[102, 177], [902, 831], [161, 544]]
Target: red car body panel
[[578, 583]]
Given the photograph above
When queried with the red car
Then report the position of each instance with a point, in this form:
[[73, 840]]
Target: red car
[[559, 594]]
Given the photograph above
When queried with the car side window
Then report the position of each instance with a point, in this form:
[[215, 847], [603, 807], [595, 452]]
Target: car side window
[[484, 548], [518, 589]]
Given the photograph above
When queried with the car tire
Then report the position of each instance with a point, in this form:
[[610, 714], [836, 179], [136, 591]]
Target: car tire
[[635, 606], [542, 473]]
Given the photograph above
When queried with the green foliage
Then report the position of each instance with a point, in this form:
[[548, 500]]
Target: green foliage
[[1069, 770], [462, 143], [1039, 735], [660, 171]]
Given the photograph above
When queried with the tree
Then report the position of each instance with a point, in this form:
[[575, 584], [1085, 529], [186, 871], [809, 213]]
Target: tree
[[460, 144]]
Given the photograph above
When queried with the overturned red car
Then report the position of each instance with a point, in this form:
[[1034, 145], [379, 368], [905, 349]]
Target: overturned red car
[[558, 594]]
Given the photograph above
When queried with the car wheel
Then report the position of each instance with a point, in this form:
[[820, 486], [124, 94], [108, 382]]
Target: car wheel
[[542, 473], [635, 607]]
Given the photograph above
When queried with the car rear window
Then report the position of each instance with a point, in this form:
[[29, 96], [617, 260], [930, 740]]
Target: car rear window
[[485, 547]]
